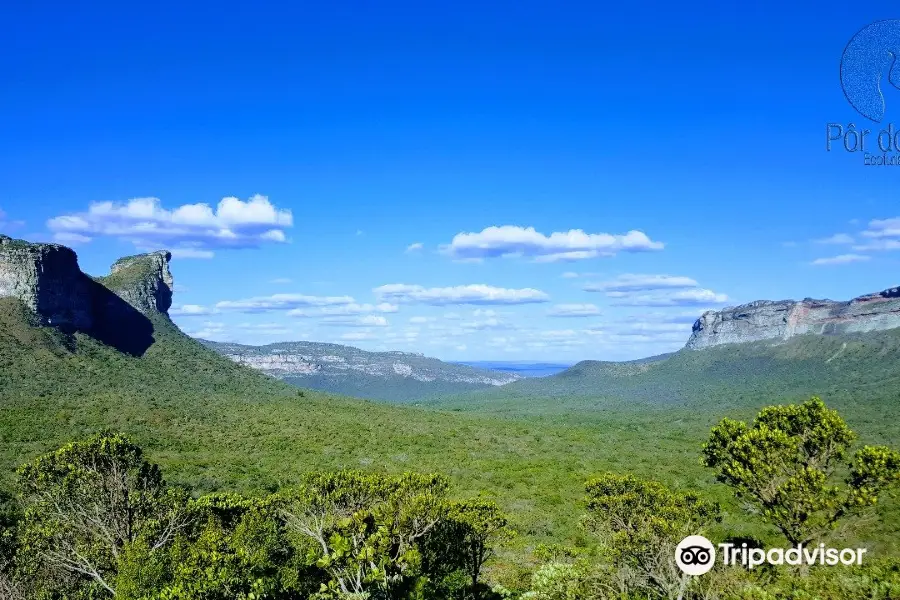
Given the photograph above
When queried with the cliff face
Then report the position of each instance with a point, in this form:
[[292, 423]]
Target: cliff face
[[780, 320], [47, 279]]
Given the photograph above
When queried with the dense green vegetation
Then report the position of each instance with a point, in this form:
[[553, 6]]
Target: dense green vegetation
[[216, 427], [96, 520]]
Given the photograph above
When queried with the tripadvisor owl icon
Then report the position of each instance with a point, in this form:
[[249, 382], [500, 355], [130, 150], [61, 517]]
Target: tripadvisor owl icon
[[695, 555]]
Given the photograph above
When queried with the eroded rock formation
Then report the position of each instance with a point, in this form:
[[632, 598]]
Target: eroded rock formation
[[780, 320]]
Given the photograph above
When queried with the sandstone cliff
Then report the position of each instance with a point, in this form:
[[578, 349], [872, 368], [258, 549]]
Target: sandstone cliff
[[780, 320], [115, 308]]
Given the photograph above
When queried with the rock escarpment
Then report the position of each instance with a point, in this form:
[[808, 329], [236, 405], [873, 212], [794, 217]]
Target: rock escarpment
[[115, 308], [780, 320]]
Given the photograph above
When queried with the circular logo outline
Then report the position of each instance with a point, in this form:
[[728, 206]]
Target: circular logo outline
[[695, 555]]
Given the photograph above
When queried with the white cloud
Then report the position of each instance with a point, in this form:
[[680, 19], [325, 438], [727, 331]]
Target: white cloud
[[838, 238], [190, 310], [574, 310], [282, 302], [575, 244], [461, 294], [191, 253], [364, 321], [569, 275], [280, 280], [878, 245], [421, 319], [485, 324], [345, 310], [415, 247], [883, 228], [265, 328], [640, 283], [211, 330], [843, 259], [191, 229], [358, 336], [70, 239], [689, 297]]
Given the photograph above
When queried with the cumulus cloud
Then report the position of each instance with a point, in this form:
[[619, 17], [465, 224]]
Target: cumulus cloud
[[461, 294], [572, 245], [656, 290], [641, 283], [843, 259], [191, 253], [345, 310], [191, 310], [70, 239], [569, 275], [878, 245], [358, 336], [883, 228], [415, 247], [282, 302], [689, 297], [574, 310], [193, 229], [838, 239], [420, 320], [211, 330], [364, 321], [485, 324]]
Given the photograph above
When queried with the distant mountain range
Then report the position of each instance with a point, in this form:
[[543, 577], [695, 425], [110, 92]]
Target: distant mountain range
[[389, 376]]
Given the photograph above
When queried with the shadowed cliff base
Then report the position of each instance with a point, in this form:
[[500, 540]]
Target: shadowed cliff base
[[116, 310]]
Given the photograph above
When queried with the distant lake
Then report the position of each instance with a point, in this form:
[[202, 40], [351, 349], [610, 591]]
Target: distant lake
[[525, 369]]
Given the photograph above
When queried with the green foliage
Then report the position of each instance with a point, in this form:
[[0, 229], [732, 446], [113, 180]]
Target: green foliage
[[640, 522], [634, 513], [86, 504], [785, 462], [364, 529]]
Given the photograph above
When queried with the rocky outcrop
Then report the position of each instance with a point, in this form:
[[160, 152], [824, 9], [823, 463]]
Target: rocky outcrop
[[143, 280], [48, 281], [781, 320], [46, 278]]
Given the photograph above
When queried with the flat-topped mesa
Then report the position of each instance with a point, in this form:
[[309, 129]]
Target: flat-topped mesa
[[143, 280], [780, 320], [47, 279]]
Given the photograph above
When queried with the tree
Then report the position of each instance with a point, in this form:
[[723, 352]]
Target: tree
[[364, 529], [783, 465], [233, 549], [471, 528], [641, 523], [88, 502]]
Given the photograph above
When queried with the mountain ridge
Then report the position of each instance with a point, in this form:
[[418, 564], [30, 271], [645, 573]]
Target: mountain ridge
[[783, 319], [393, 376]]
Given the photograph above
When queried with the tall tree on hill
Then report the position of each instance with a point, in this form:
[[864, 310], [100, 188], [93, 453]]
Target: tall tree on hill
[[784, 465], [87, 503]]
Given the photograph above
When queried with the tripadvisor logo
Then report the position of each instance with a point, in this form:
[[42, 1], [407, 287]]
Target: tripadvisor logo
[[696, 555]]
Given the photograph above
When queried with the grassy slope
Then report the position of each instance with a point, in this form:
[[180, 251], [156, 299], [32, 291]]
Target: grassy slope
[[214, 425]]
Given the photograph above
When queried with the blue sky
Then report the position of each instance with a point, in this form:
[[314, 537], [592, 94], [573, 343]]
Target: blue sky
[[522, 181]]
